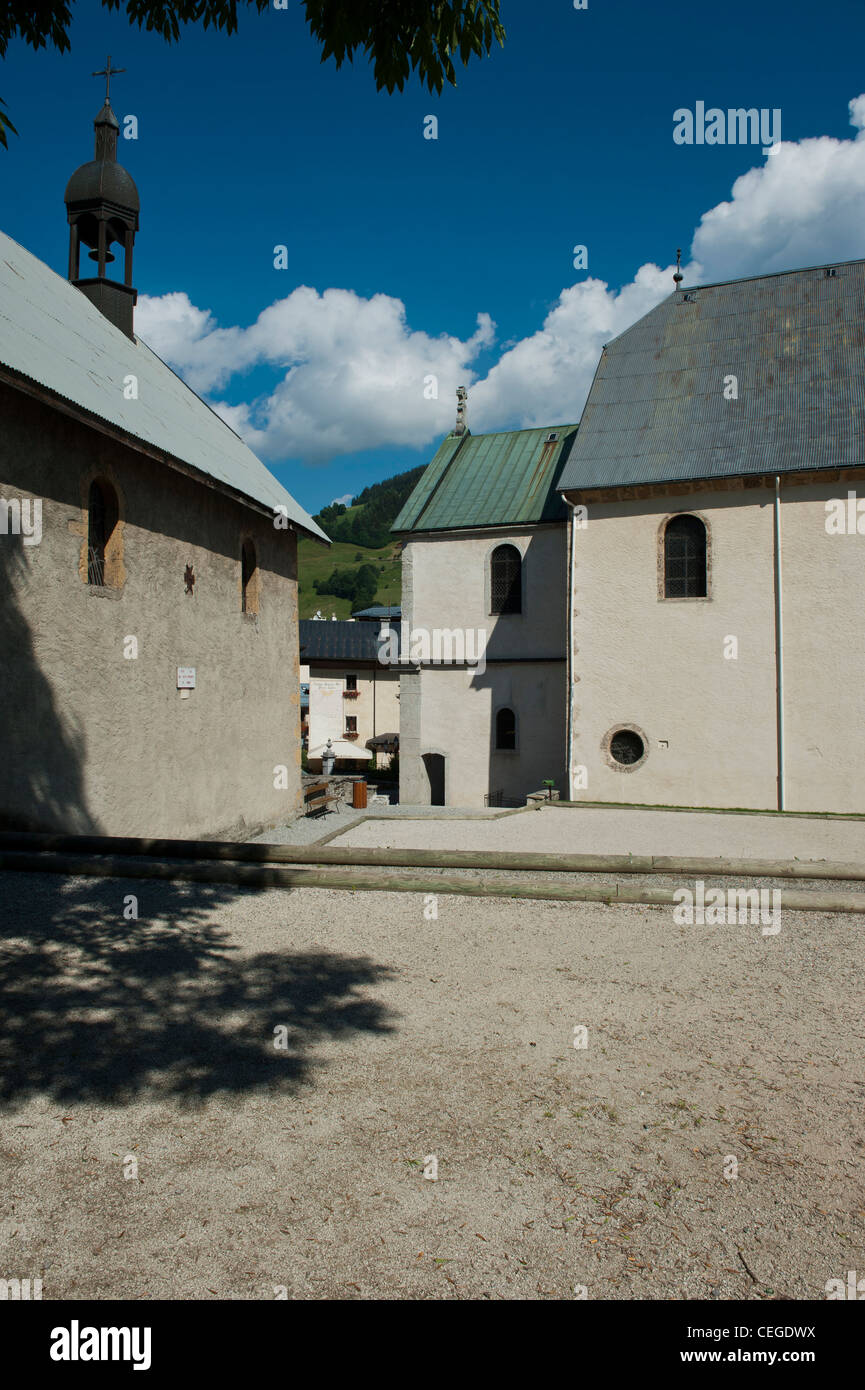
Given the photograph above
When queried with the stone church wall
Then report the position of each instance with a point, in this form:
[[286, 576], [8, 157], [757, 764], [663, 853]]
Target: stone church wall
[[451, 712], [95, 738], [659, 665]]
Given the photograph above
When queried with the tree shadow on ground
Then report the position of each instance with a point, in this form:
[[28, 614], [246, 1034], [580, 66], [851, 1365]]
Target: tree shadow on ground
[[99, 1008]]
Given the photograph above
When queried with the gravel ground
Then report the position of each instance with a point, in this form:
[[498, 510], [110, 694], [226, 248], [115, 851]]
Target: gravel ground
[[606, 1168]]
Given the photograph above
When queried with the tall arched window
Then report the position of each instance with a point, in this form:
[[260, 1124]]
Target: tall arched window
[[685, 558], [506, 729], [506, 580], [102, 516], [248, 578]]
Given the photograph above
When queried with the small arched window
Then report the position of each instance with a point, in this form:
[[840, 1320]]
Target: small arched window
[[102, 515], [685, 558], [506, 729], [248, 578], [506, 565]]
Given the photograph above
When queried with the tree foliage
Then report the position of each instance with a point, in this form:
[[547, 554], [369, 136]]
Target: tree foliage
[[373, 512], [358, 585], [398, 36]]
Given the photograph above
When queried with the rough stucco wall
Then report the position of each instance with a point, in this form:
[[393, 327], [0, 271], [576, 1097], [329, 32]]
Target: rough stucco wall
[[445, 585], [413, 783], [98, 741], [660, 664], [824, 653], [458, 721], [449, 588]]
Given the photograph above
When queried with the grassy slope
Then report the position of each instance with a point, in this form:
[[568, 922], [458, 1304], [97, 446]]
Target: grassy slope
[[317, 562]]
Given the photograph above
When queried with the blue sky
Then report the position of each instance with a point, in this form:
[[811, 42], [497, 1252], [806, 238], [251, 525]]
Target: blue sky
[[564, 137]]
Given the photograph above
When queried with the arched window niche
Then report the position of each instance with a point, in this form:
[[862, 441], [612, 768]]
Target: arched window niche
[[506, 580], [684, 557]]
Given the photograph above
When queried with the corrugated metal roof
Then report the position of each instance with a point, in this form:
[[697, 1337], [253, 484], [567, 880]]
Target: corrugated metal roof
[[378, 610], [52, 334], [490, 480], [795, 342], [323, 640]]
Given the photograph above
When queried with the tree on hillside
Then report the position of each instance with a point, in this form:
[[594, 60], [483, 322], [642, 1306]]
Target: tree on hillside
[[359, 585], [398, 36], [373, 511]]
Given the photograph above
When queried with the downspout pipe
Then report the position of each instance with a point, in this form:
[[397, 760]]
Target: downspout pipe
[[569, 666], [779, 647]]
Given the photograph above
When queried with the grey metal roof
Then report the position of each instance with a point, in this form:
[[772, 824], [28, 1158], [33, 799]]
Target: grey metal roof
[[378, 610], [795, 341], [490, 480], [323, 640], [52, 334]]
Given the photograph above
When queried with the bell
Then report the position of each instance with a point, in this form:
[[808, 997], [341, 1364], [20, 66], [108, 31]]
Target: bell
[[94, 255]]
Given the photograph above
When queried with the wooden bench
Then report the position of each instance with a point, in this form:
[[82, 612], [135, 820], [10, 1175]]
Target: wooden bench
[[317, 798]]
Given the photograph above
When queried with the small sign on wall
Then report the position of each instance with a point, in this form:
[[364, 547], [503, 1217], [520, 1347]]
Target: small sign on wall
[[186, 678]]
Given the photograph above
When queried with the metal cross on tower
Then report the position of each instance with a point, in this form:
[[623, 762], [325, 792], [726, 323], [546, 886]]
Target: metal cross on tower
[[107, 72]]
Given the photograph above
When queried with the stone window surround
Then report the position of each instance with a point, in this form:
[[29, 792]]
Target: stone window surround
[[612, 762], [253, 605], [661, 557], [115, 570], [522, 547]]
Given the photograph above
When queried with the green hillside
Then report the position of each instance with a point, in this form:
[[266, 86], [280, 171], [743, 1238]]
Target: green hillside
[[363, 565], [315, 562]]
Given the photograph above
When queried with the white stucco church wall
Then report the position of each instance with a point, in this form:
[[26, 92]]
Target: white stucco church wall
[[451, 711]]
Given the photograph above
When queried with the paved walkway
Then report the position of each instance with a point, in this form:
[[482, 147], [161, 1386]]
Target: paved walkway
[[307, 830], [587, 830]]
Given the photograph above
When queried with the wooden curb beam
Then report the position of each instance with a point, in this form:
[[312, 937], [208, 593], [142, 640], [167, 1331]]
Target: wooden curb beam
[[359, 880], [318, 854]]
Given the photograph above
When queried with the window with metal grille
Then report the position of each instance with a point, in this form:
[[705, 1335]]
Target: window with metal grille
[[506, 580], [247, 575], [627, 747], [101, 521], [685, 558], [506, 729]]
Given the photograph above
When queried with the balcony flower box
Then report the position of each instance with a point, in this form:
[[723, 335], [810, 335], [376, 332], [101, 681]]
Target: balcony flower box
[[350, 733], [350, 694]]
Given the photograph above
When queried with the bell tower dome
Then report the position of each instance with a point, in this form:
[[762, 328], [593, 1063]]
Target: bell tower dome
[[102, 208]]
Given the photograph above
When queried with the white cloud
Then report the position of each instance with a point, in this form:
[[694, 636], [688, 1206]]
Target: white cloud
[[354, 372], [343, 501], [547, 376], [805, 205]]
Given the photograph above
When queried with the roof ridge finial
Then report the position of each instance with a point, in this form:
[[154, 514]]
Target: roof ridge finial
[[462, 396], [678, 276]]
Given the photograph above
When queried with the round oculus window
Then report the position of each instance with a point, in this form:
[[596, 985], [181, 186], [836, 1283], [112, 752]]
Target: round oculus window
[[627, 747]]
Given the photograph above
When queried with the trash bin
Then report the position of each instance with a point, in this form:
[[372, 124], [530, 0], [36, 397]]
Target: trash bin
[[359, 796]]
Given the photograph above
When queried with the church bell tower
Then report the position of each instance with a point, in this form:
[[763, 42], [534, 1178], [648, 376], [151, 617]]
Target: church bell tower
[[102, 207]]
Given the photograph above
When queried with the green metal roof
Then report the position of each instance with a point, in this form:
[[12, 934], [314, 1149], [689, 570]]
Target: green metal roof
[[491, 480]]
